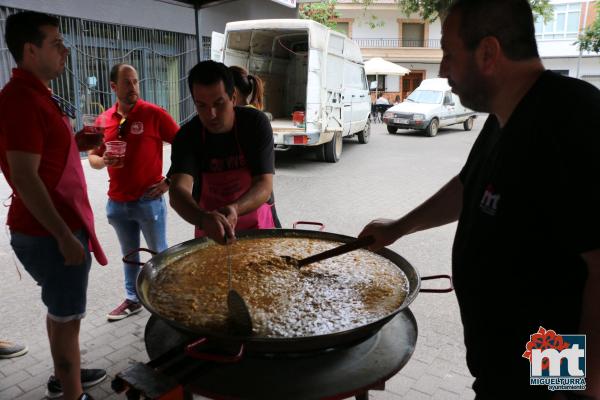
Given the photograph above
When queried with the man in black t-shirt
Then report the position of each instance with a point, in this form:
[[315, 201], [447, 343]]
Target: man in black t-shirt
[[527, 248], [222, 161]]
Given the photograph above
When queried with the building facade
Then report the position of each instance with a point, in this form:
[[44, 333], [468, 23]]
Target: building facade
[[383, 30], [556, 40]]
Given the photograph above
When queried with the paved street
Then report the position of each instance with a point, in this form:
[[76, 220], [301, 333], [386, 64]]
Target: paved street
[[385, 178]]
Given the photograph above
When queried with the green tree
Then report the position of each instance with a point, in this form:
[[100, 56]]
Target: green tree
[[323, 12], [590, 39], [430, 10]]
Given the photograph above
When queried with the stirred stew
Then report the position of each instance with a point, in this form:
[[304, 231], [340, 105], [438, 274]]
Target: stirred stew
[[330, 296]]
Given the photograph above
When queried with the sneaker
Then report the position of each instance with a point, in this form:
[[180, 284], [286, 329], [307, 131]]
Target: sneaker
[[85, 396], [127, 308], [89, 378], [10, 349]]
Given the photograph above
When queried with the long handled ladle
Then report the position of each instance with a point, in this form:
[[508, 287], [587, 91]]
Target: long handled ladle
[[238, 312], [336, 251]]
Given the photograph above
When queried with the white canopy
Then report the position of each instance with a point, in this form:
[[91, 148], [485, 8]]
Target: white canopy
[[379, 66]]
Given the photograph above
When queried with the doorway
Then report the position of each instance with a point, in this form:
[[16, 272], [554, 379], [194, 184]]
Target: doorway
[[410, 82]]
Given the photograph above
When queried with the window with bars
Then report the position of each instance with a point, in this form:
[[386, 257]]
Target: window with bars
[[161, 58]]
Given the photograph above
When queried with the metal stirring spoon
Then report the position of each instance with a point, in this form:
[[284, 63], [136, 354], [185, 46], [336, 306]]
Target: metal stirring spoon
[[239, 315]]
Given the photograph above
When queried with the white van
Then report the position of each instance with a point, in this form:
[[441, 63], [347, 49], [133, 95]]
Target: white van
[[431, 106], [307, 68]]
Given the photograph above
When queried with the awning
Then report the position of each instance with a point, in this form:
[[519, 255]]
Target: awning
[[379, 66]]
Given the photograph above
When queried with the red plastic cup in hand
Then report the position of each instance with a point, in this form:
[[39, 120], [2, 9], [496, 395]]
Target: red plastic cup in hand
[[115, 153], [93, 129]]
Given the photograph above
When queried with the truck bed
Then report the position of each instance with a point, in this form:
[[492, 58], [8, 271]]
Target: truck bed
[[284, 125]]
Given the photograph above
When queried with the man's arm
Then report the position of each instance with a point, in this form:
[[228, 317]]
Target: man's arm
[[590, 322], [257, 195], [95, 158], [214, 224], [440, 209], [99, 159], [31, 190]]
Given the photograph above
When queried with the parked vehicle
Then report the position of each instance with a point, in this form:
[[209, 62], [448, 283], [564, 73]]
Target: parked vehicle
[[431, 106], [307, 68]]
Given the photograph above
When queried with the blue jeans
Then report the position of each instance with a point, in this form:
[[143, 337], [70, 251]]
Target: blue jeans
[[64, 287], [148, 216]]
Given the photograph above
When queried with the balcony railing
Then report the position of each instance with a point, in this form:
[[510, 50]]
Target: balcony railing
[[381, 43]]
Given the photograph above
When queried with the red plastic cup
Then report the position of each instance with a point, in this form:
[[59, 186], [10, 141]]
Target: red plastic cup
[[116, 149], [93, 124]]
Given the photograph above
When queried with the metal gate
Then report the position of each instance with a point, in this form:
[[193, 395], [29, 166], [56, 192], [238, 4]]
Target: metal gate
[[162, 59]]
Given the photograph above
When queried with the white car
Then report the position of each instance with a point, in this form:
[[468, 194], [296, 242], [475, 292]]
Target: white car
[[431, 106]]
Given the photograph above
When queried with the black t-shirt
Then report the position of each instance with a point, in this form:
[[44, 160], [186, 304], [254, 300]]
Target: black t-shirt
[[192, 154], [531, 206]]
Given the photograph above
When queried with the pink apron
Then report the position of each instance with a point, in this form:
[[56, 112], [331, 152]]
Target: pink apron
[[222, 188], [72, 189]]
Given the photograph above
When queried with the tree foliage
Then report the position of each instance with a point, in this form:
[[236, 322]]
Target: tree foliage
[[590, 39], [430, 10], [323, 12]]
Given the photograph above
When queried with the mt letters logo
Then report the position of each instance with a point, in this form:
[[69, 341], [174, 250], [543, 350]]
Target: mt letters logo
[[556, 361]]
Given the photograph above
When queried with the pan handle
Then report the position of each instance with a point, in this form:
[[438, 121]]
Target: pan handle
[[320, 225], [191, 350], [449, 289], [128, 261]]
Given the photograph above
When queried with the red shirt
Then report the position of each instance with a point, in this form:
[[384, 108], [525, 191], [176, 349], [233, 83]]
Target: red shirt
[[145, 129], [31, 122]]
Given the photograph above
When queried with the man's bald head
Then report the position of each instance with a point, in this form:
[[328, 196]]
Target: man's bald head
[[117, 68], [125, 83]]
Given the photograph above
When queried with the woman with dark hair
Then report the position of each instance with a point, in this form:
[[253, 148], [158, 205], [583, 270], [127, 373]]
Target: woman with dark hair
[[248, 88]]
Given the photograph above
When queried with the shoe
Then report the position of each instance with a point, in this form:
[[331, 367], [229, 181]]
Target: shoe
[[10, 349], [85, 396], [127, 308], [89, 378]]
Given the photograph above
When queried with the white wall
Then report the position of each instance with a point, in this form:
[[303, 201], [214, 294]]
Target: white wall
[[559, 48], [390, 28], [169, 16], [215, 18], [431, 70], [588, 66]]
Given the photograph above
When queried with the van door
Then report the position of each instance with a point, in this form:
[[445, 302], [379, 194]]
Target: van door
[[348, 92], [361, 101], [217, 45], [448, 114], [461, 111]]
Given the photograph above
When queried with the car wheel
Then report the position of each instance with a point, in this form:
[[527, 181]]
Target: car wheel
[[468, 124], [365, 134], [333, 149], [433, 127], [392, 129]]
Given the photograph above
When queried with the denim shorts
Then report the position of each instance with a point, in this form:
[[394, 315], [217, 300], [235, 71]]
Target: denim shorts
[[63, 286]]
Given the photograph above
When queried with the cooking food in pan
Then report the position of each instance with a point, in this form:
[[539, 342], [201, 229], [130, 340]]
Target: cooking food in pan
[[330, 296]]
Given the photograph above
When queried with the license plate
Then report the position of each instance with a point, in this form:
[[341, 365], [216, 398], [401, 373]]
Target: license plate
[[403, 121]]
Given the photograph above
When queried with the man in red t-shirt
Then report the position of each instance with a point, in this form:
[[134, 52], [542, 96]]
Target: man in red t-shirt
[[136, 185], [50, 217]]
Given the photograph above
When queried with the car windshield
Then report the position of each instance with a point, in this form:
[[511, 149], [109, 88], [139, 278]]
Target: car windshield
[[426, 96]]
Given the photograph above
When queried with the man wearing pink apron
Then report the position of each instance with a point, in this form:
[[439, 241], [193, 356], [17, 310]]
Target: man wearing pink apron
[[222, 161], [50, 217]]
